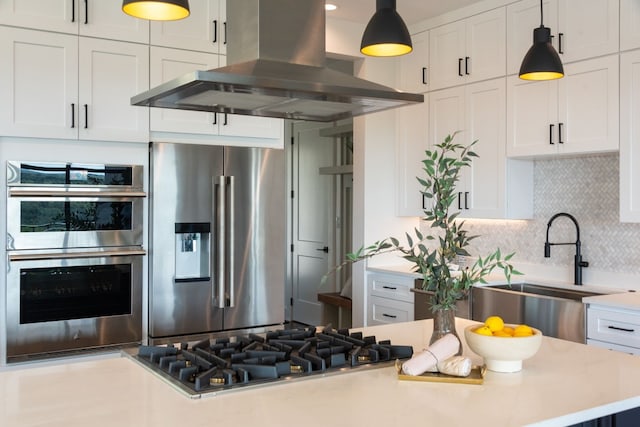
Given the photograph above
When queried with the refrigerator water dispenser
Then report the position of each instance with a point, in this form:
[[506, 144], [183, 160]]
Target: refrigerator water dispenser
[[193, 252]]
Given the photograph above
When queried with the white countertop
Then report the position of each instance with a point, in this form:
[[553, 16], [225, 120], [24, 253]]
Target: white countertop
[[626, 300], [564, 383]]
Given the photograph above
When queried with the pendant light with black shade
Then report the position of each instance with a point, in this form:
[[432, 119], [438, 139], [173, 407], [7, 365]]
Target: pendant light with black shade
[[386, 33], [157, 10], [541, 61]]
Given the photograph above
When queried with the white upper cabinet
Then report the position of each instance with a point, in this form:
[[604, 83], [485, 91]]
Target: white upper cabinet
[[469, 50], [167, 64], [203, 30], [411, 143], [95, 18], [413, 69], [580, 29], [629, 136], [587, 28], [492, 187], [57, 86], [629, 24], [576, 114], [522, 18], [110, 73]]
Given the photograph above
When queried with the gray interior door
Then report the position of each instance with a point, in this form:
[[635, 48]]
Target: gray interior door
[[312, 203]]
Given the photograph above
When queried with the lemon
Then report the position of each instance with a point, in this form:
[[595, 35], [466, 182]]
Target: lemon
[[495, 323], [502, 333], [483, 330], [522, 331], [508, 330]]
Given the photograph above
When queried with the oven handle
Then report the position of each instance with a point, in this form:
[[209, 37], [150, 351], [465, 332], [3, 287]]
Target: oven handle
[[75, 255], [21, 192]]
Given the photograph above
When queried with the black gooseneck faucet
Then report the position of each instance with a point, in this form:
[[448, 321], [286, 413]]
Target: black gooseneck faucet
[[578, 262]]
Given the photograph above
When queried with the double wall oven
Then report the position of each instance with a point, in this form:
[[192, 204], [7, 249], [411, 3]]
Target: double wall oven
[[75, 257]]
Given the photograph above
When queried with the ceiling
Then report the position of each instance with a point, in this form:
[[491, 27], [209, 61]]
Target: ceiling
[[411, 11]]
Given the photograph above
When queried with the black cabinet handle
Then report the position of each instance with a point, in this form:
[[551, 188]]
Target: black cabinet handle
[[466, 65], [389, 315], [393, 288], [73, 115], [73, 10], [460, 200], [224, 25], [551, 134], [560, 36], [460, 67], [424, 75], [617, 328], [225, 120], [215, 31], [560, 141], [86, 116], [324, 249], [215, 118], [466, 200], [86, 11]]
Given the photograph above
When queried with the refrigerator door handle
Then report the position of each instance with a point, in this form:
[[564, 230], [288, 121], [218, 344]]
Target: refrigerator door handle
[[219, 209], [231, 242]]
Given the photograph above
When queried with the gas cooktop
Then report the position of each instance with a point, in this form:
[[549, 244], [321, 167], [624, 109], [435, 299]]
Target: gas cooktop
[[225, 364]]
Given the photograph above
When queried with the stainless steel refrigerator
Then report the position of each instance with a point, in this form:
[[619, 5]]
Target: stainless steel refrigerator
[[217, 253]]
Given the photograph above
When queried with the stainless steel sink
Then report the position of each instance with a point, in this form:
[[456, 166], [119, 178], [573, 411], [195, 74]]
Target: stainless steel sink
[[548, 291], [557, 312]]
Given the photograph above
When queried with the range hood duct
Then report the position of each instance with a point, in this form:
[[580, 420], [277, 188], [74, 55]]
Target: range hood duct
[[276, 52]]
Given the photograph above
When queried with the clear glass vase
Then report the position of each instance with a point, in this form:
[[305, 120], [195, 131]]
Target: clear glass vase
[[444, 322]]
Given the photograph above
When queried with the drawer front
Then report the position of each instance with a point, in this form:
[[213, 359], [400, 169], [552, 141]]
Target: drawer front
[[614, 347], [383, 311], [614, 326], [396, 288]]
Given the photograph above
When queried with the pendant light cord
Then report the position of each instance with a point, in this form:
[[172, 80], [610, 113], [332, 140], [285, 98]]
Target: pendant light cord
[[541, 21]]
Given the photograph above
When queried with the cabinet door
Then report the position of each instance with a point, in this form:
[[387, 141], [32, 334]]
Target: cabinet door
[[413, 69], [251, 126], [588, 106], [167, 64], [53, 15], [629, 24], [522, 18], [446, 116], [485, 46], [485, 106], [532, 115], [105, 19], [630, 136], [587, 28], [111, 72], [412, 141], [201, 30], [446, 55], [39, 83]]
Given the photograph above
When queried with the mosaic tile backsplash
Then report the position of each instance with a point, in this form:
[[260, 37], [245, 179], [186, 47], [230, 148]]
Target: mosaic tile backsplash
[[585, 187]]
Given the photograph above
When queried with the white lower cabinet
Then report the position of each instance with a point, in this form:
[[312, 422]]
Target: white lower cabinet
[[613, 328], [389, 298]]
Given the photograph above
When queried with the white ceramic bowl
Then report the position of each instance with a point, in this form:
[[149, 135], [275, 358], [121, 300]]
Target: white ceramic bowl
[[503, 354]]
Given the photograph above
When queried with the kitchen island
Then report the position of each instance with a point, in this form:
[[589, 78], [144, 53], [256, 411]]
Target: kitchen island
[[563, 384]]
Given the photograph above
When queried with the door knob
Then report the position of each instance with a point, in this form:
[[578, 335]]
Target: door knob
[[325, 249]]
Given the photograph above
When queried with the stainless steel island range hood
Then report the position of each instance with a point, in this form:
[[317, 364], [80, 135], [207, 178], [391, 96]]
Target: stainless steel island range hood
[[276, 52]]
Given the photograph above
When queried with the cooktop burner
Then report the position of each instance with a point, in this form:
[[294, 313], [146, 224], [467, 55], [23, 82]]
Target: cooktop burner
[[224, 364]]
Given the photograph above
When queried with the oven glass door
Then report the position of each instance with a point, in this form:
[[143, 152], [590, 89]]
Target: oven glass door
[[83, 291], [74, 301], [73, 222]]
